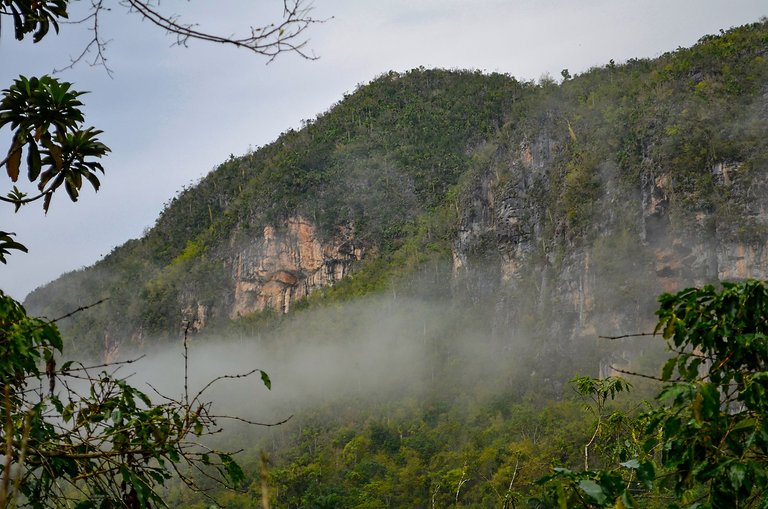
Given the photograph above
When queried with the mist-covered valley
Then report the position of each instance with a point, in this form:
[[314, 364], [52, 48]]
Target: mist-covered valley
[[423, 268], [397, 396]]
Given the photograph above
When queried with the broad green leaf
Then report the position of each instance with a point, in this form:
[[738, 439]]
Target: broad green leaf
[[34, 164], [55, 152], [669, 366], [593, 490]]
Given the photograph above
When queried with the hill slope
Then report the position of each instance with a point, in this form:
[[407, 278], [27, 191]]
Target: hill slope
[[557, 206], [478, 233]]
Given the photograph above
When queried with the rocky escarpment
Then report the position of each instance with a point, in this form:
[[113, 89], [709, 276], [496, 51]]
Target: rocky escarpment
[[280, 267], [638, 226], [273, 270]]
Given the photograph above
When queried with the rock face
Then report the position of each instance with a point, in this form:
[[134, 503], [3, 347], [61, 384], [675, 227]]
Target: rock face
[[273, 270], [635, 246], [281, 266]]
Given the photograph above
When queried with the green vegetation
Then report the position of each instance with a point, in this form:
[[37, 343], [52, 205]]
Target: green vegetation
[[79, 436], [74, 435], [46, 120], [699, 443], [703, 444], [384, 160], [559, 202], [405, 160]]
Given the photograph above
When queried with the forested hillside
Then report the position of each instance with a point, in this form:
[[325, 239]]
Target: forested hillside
[[475, 234], [380, 161], [549, 187]]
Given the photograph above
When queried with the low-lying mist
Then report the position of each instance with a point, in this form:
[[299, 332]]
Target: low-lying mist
[[437, 344], [373, 350]]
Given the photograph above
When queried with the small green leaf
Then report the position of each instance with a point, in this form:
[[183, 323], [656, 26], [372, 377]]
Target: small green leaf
[[627, 500], [233, 470], [646, 473], [47, 200], [34, 164], [68, 412], [633, 464], [669, 366], [744, 424], [71, 188], [266, 380], [736, 475], [669, 330]]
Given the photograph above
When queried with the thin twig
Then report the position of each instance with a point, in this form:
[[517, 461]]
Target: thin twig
[[641, 375], [222, 377], [100, 58], [78, 310], [8, 447], [186, 365], [254, 423], [269, 40], [624, 336]]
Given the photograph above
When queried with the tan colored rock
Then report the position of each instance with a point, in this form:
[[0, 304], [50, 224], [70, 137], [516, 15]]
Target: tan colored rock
[[288, 263], [738, 261]]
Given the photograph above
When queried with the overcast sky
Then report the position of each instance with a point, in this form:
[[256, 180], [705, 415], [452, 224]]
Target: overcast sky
[[172, 114]]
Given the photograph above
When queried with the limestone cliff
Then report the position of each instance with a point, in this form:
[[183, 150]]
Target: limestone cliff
[[644, 235], [280, 267], [271, 271]]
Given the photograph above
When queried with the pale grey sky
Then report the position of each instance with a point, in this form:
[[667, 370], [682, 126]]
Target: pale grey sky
[[172, 114]]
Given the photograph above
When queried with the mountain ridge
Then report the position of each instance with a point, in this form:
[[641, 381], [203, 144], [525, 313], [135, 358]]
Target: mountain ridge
[[652, 168]]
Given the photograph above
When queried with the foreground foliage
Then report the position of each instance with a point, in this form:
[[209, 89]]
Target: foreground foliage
[[77, 436], [713, 421], [706, 442]]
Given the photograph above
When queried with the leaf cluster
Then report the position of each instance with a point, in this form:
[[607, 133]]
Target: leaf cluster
[[80, 436], [37, 17], [705, 444], [45, 117]]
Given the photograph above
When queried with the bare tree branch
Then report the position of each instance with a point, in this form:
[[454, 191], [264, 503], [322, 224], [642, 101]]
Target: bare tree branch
[[78, 310], [96, 44], [267, 40], [286, 36], [624, 336]]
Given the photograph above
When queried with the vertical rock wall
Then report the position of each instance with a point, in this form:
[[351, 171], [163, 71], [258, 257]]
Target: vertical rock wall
[[285, 264], [603, 281]]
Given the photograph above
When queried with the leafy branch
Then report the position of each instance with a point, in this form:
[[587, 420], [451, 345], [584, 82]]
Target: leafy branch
[[96, 435]]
